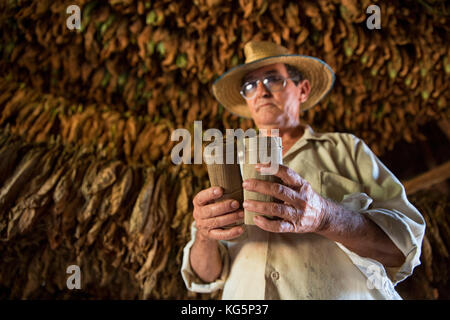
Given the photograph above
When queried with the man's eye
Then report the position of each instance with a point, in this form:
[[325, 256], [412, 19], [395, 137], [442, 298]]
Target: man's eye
[[249, 86], [273, 79]]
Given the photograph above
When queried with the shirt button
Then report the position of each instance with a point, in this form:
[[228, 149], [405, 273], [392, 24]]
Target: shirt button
[[275, 275]]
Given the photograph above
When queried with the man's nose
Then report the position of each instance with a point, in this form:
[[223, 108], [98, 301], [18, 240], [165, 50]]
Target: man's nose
[[261, 90]]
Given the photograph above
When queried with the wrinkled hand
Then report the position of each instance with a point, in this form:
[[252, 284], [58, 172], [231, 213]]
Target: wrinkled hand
[[211, 216], [302, 210]]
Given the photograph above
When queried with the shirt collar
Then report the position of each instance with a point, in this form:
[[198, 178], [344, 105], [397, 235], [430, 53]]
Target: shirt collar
[[308, 136]]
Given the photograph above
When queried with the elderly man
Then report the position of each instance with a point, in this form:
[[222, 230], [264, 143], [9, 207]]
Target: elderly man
[[345, 230]]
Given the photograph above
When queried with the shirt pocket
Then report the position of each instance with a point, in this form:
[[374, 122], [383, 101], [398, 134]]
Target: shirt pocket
[[335, 186]]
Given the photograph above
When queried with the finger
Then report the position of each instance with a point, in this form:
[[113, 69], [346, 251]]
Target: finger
[[277, 226], [223, 220], [219, 208], [287, 175], [280, 210], [226, 234], [207, 196], [273, 189]]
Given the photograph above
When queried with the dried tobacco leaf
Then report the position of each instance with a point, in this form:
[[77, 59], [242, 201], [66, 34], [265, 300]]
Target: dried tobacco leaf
[[142, 206], [120, 191], [106, 177], [14, 185], [9, 154]]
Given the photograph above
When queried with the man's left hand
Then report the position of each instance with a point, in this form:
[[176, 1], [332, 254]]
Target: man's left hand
[[302, 209]]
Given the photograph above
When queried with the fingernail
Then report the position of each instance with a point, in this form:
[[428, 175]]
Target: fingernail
[[245, 184], [245, 204], [235, 204], [216, 191]]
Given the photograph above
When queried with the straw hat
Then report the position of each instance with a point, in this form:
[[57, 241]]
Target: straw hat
[[261, 53]]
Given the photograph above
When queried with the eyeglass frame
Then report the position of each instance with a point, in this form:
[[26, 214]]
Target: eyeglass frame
[[264, 78]]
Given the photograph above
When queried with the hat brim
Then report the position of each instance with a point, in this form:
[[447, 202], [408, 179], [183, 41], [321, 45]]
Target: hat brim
[[227, 88]]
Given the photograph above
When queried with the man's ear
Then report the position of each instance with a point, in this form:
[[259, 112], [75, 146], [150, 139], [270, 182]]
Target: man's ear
[[305, 89]]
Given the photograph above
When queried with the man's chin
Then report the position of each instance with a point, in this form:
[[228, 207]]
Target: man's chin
[[267, 121], [267, 116]]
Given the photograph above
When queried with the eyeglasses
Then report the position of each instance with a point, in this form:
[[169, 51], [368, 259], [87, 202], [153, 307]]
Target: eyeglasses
[[273, 83]]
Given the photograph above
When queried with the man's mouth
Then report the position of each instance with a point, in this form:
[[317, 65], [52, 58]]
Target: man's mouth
[[265, 105]]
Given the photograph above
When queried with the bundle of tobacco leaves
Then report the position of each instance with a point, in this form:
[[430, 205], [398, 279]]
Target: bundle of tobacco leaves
[[158, 59]]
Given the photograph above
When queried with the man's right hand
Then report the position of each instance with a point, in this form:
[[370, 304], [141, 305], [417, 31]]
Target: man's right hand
[[211, 216]]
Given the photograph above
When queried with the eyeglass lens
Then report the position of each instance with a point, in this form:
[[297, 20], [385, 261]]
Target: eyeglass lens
[[272, 83]]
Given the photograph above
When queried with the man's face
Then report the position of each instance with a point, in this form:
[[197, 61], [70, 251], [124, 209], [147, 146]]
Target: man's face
[[276, 109]]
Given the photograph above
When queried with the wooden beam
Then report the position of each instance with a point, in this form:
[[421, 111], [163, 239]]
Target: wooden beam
[[428, 179]]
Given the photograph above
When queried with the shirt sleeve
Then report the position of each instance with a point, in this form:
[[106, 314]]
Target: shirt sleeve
[[386, 204], [191, 280]]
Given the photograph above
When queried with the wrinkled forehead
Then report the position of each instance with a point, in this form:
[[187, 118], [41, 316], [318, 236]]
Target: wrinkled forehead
[[277, 68]]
